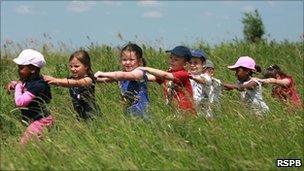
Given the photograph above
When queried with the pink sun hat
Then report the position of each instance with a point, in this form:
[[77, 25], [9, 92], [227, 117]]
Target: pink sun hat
[[244, 61]]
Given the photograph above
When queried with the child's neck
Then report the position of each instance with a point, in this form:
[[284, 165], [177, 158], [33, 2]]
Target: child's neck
[[197, 73], [245, 79], [31, 77]]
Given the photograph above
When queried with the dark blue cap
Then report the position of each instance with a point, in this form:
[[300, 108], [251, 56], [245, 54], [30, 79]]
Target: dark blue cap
[[199, 54], [181, 51]]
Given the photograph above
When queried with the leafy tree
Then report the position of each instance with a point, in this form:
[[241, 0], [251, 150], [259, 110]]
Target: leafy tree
[[253, 26]]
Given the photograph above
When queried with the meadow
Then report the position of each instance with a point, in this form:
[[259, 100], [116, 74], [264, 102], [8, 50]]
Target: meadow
[[234, 140]]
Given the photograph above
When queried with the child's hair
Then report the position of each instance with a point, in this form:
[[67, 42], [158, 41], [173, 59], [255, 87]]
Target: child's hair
[[84, 58], [272, 71], [134, 48]]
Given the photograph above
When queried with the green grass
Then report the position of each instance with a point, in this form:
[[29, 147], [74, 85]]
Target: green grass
[[234, 140]]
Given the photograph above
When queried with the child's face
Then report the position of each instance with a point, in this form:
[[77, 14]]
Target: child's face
[[129, 61], [196, 66], [242, 74], [176, 63], [77, 68], [24, 72]]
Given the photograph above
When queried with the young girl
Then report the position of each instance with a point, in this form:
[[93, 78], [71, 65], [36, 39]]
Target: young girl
[[31, 94], [284, 86], [251, 89], [132, 81], [177, 86], [81, 85]]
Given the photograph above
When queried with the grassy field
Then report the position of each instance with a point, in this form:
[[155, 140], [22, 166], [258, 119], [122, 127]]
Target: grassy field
[[234, 140]]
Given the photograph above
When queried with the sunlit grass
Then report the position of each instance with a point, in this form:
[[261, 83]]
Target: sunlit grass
[[236, 139]]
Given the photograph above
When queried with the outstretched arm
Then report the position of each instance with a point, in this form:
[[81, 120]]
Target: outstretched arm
[[120, 75], [251, 85], [104, 80], [198, 78], [65, 82], [282, 82], [159, 73], [227, 86], [151, 77]]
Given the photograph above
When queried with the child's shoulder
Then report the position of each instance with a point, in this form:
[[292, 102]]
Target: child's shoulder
[[38, 85], [181, 74], [39, 81]]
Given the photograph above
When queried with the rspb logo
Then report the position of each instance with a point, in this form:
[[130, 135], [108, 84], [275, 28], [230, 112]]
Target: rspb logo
[[289, 163]]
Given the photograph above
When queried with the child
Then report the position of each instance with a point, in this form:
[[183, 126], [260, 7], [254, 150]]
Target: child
[[176, 81], [284, 86], [81, 85], [206, 89], [132, 80], [31, 94], [251, 89]]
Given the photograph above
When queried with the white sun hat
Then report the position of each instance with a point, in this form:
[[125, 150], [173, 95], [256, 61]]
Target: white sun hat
[[30, 56]]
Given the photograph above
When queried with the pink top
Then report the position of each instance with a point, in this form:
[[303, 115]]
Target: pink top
[[22, 97]]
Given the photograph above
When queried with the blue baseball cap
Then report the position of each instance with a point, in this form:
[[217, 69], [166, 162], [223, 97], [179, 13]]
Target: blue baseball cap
[[181, 51], [199, 54]]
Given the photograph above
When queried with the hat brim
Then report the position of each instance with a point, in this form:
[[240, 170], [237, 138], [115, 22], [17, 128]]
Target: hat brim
[[233, 67], [18, 61]]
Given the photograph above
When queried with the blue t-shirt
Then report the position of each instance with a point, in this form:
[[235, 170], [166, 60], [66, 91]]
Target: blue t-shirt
[[83, 99], [37, 109], [135, 94]]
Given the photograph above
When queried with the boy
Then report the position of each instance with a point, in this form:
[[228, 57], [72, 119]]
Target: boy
[[208, 88], [176, 81]]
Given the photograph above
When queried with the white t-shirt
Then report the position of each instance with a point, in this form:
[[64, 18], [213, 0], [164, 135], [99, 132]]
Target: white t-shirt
[[206, 94], [254, 98]]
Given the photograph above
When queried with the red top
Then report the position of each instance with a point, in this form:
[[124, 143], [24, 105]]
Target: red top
[[179, 90], [287, 93]]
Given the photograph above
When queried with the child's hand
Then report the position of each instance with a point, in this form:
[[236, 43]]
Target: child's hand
[[49, 79], [11, 86], [229, 86], [99, 74]]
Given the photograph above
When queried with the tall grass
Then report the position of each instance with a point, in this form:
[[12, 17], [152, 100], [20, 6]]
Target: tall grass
[[236, 139]]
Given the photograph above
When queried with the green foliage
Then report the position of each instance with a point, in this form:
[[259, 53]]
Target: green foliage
[[234, 140], [253, 26]]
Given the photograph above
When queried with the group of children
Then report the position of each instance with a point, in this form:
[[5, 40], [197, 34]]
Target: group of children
[[189, 85]]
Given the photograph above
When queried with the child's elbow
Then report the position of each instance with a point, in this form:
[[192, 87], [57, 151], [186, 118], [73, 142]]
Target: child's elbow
[[168, 77], [20, 103]]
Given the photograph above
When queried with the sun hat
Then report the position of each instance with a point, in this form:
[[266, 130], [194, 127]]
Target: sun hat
[[244, 61], [199, 54], [208, 64], [30, 56], [181, 51]]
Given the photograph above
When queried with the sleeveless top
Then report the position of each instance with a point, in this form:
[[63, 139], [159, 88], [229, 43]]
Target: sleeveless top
[[254, 98]]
